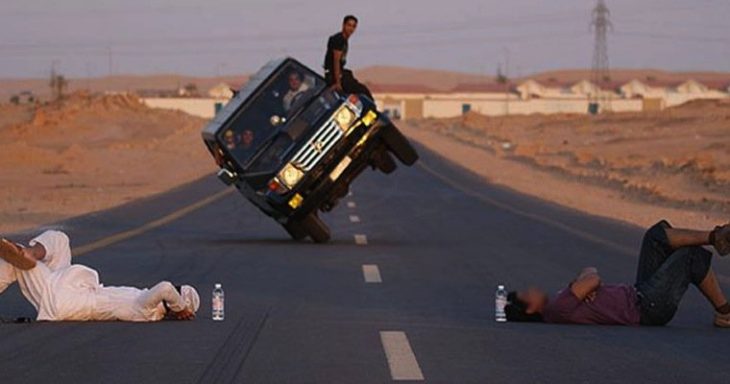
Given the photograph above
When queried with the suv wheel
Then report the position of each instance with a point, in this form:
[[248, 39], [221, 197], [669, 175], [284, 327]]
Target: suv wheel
[[383, 161], [295, 230], [399, 145], [316, 228]]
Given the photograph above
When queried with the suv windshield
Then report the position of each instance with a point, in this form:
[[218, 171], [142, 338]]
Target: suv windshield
[[271, 155], [254, 137]]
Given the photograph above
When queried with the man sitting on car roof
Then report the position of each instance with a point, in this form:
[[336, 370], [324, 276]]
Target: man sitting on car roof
[[337, 76]]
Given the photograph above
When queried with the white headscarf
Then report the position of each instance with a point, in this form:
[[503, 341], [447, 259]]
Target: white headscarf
[[191, 298]]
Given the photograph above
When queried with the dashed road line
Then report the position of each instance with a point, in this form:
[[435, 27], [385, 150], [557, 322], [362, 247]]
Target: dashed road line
[[401, 360], [361, 239], [121, 236], [351, 204], [371, 273], [354, 218]]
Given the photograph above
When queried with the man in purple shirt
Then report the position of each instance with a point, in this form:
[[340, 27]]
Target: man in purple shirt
[[670, 260]]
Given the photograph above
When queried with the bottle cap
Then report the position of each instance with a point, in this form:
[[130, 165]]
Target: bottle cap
[[218, 285], [500, 287]]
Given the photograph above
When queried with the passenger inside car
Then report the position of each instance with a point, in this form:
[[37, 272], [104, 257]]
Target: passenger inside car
[[297, 88]]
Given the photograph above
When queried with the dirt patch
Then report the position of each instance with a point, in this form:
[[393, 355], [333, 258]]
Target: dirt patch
[[92, 152], [678, 159]]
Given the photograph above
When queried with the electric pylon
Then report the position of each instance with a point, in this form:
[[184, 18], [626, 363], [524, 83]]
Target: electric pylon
[[601, 76]]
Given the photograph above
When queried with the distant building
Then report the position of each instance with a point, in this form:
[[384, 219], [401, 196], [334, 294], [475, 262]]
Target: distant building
[[188, 90], [414, 101], [221, 91], [584, 88], [692, 86], [157, 93], [401, 101], [531, 89], [636, 89]]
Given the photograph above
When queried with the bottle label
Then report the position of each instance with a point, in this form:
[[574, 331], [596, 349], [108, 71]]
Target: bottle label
[[217, 303], [500, 304]]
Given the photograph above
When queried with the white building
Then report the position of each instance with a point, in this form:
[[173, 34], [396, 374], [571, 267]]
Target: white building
[[221, 91], [408, 101]]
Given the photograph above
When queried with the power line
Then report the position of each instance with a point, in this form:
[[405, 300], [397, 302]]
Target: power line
[[471, 25], [674, 37], [537, 38]]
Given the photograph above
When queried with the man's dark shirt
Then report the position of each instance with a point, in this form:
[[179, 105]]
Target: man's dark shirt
[[336, 42], [613, 304]]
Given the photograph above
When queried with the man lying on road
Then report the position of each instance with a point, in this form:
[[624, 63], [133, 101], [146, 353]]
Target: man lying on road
[[670, 260], [62, 291]]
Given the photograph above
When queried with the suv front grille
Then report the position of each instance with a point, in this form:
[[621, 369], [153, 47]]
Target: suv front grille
[[309, 155]]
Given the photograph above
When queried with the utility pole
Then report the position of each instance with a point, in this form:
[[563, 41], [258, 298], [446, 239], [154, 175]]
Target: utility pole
[[58, 82], [111, 60], [600, 25], [506, 81], [53, 83], [87, 65]]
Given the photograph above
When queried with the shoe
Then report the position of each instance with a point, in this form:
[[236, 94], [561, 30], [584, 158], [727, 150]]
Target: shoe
[[721, 239], [14, 255], [722, 321]]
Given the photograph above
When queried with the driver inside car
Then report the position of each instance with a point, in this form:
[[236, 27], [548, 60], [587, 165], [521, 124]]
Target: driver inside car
[[296, 90]]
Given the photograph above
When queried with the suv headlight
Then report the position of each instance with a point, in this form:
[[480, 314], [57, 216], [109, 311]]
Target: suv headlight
[[345, 117], [290, 175]]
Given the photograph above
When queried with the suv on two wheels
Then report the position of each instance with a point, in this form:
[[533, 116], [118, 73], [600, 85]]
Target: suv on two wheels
[[292, 146]]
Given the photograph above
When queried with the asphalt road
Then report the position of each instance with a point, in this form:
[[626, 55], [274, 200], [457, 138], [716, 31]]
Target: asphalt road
[[438, 239]]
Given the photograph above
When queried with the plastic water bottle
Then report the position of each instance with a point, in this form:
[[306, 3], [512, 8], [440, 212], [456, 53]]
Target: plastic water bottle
[[500, 301], [219, 303]]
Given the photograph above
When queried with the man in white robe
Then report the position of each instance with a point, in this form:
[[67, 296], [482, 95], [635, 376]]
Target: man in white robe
[[61, 291]]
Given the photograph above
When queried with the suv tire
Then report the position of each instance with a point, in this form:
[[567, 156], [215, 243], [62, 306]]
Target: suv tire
[[399, 145], [316, 228], [295, 230], [383, 161]]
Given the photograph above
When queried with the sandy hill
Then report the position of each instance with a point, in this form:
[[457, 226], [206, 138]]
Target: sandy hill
[[678, 157], [121, 83], [435, 79], [87, 153]]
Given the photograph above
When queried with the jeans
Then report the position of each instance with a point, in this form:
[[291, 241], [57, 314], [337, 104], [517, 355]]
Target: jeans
[[665, 274], [349, 83]]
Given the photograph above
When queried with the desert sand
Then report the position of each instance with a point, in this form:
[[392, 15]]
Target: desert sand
[[634, 167], [88, 153]]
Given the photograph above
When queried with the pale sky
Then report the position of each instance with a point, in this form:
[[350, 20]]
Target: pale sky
[[233, 37]]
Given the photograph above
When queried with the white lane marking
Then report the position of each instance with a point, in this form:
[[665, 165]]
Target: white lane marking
[[169, 218], [401, 360], [351, 204], [371, 273], [361, 240], [354, 218]]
